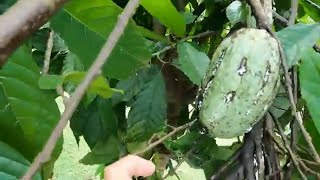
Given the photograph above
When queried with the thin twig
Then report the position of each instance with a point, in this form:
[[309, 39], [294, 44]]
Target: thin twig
[[204, 34], [293, 157], [93, 72], [307, 169], [47, 55], [154, 144], [310, 162], [293, 13], [226, 165], [180, 162], [280, 18], [313, 4]]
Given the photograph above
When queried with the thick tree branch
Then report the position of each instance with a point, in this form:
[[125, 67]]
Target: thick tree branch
[[21, 20], [93, 72]]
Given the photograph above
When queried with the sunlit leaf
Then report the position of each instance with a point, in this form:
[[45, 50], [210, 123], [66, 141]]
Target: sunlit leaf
[[167, 14]]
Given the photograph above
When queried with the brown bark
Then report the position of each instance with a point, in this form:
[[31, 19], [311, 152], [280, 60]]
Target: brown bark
[[21, 20]]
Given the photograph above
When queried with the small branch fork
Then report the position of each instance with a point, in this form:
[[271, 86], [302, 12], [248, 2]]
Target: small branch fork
[[93, 72]]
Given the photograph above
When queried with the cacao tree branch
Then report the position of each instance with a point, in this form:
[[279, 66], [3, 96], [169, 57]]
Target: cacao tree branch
[[93, 72], [280, 18], [226, 165], [47, 56], [287, 146], [203, 34], [21, 20], [156, 143], [293, 13], [257, 8], [180, 162]]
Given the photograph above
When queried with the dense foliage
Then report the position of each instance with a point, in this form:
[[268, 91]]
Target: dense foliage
[[149, 85]]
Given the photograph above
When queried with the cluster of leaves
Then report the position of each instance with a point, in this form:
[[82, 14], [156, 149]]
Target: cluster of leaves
[[148, 83]]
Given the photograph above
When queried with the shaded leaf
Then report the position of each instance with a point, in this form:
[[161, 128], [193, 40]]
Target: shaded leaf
[[167, 14], [310, 83], [86, 33], [297, 38], [192, 62], [104, 152], [148, 112], [95, 122], [12, 164], [134, 85]]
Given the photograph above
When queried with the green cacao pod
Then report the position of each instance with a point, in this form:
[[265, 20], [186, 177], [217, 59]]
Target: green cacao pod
[[240, 84]]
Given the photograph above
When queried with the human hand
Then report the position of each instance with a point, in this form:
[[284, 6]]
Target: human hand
[[128, 167]]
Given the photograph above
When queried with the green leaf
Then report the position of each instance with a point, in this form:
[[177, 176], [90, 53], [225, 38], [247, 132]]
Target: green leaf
[[148, 112], [98, 86], [167, 14], [103, 152], [310, 83], [95, 122], [85, 33], [297, 38], [12, 164], [280, 104], [192, 62], [152, 35], [28, 114], [237, 11], [133, 86], [312, 8], [50, 81], [188, 17]]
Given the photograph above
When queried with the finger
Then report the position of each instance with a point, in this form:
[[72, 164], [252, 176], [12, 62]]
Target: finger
[[128, 167]]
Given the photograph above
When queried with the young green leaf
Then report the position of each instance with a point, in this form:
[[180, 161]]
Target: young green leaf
[[296, 39], [148, 112], [167, 14], [192, 62], [310, 83], [86, 33], [98, 86]]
